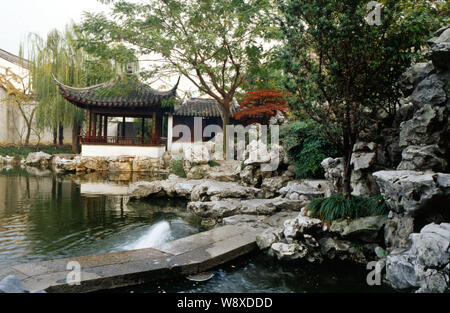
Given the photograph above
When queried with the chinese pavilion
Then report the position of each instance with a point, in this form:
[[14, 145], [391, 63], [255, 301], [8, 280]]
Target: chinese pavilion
[[136, 100]]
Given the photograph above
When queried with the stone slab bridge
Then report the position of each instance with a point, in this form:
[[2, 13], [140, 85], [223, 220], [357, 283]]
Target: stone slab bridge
[[182, 257]]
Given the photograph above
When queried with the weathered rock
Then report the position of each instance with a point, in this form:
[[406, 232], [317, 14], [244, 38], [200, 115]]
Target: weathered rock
[[334, 169], [400, 272], [214, 190], [243, 218], [144, 189], [397, 230], [367, 229], [413, 76], [183, 188], [12, 284], [310, 189], [215, 209], [92, 164], [431, 246], [38, 159], [63, 164], [363, 184], [429, 91], [142, 164], [293, 251], [425, 264], [267, 238], [198, 152], [258, 206], [273, 184], [227, 171], [440, 49], [198, 172], [229, 206], [411, 192], [363, 160], [256, 153], [277, 220], [331, 248], [421, 158], [427, 127], [251, 175], [301, 225]]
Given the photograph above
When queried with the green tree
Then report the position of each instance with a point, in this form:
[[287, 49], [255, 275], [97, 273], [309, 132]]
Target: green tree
[[213, 43], [343, 71], [60, 56]]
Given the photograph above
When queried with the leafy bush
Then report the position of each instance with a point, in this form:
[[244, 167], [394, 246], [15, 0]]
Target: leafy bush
[[177, 167], [338, 207], [307, 147]]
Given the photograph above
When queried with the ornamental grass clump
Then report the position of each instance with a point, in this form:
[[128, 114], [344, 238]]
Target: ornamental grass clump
[[177, 167], [338, 207]]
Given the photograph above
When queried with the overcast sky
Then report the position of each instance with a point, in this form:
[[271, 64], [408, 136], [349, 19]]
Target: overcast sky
[[20, 17]]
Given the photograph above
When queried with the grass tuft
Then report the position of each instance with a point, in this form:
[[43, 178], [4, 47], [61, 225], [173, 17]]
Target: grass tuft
[[338, 207]]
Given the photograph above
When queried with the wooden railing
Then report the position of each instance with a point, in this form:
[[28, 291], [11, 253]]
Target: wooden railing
[[122, 141]]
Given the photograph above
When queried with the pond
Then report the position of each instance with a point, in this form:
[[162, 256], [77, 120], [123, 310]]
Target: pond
[[45, 216]]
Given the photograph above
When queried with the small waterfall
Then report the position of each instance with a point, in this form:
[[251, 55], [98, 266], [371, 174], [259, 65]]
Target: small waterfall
[[156, 235]]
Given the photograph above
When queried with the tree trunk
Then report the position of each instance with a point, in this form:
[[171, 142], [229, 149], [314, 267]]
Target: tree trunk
[[27, 138], [348, 151], [75, 138], [55, 135], [61, 134], [225, 122]]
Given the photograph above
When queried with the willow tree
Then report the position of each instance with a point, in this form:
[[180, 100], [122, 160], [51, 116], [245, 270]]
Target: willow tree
[[60, 56], [213, 43]]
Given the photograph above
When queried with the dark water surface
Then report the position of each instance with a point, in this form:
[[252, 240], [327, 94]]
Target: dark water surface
[[48, 217], [44, 216]]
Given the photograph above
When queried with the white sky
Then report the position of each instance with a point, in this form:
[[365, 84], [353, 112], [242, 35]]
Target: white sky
[[20, 17]]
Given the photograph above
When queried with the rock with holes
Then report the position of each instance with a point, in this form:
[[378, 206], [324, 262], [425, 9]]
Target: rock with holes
[[425, 265], [412, 191], [422, 158]]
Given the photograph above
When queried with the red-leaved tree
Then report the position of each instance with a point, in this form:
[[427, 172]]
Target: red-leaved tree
[[259, 106]]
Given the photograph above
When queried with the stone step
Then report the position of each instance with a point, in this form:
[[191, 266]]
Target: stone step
[[190, 255]]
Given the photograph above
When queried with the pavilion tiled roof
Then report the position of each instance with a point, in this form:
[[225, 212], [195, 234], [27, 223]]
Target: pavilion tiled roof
[[200, 107], [139, 96], [13, 58]]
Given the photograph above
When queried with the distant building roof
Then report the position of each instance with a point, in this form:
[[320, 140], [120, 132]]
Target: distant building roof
[[13, 58], [138, 95], [200, 107]]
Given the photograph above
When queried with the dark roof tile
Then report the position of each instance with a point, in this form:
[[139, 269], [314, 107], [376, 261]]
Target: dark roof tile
[[200, 107]]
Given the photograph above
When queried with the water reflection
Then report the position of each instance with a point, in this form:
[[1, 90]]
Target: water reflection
[[45, 216]]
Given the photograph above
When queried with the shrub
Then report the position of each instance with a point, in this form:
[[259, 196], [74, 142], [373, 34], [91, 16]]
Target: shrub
[[213, 163], [306, 147], [177, 167], [338, 207]]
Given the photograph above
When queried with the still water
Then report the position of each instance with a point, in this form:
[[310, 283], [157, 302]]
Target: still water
[[44, 216], [47, 217]]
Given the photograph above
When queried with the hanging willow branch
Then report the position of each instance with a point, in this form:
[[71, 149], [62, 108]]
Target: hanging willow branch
[[60, 55]]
